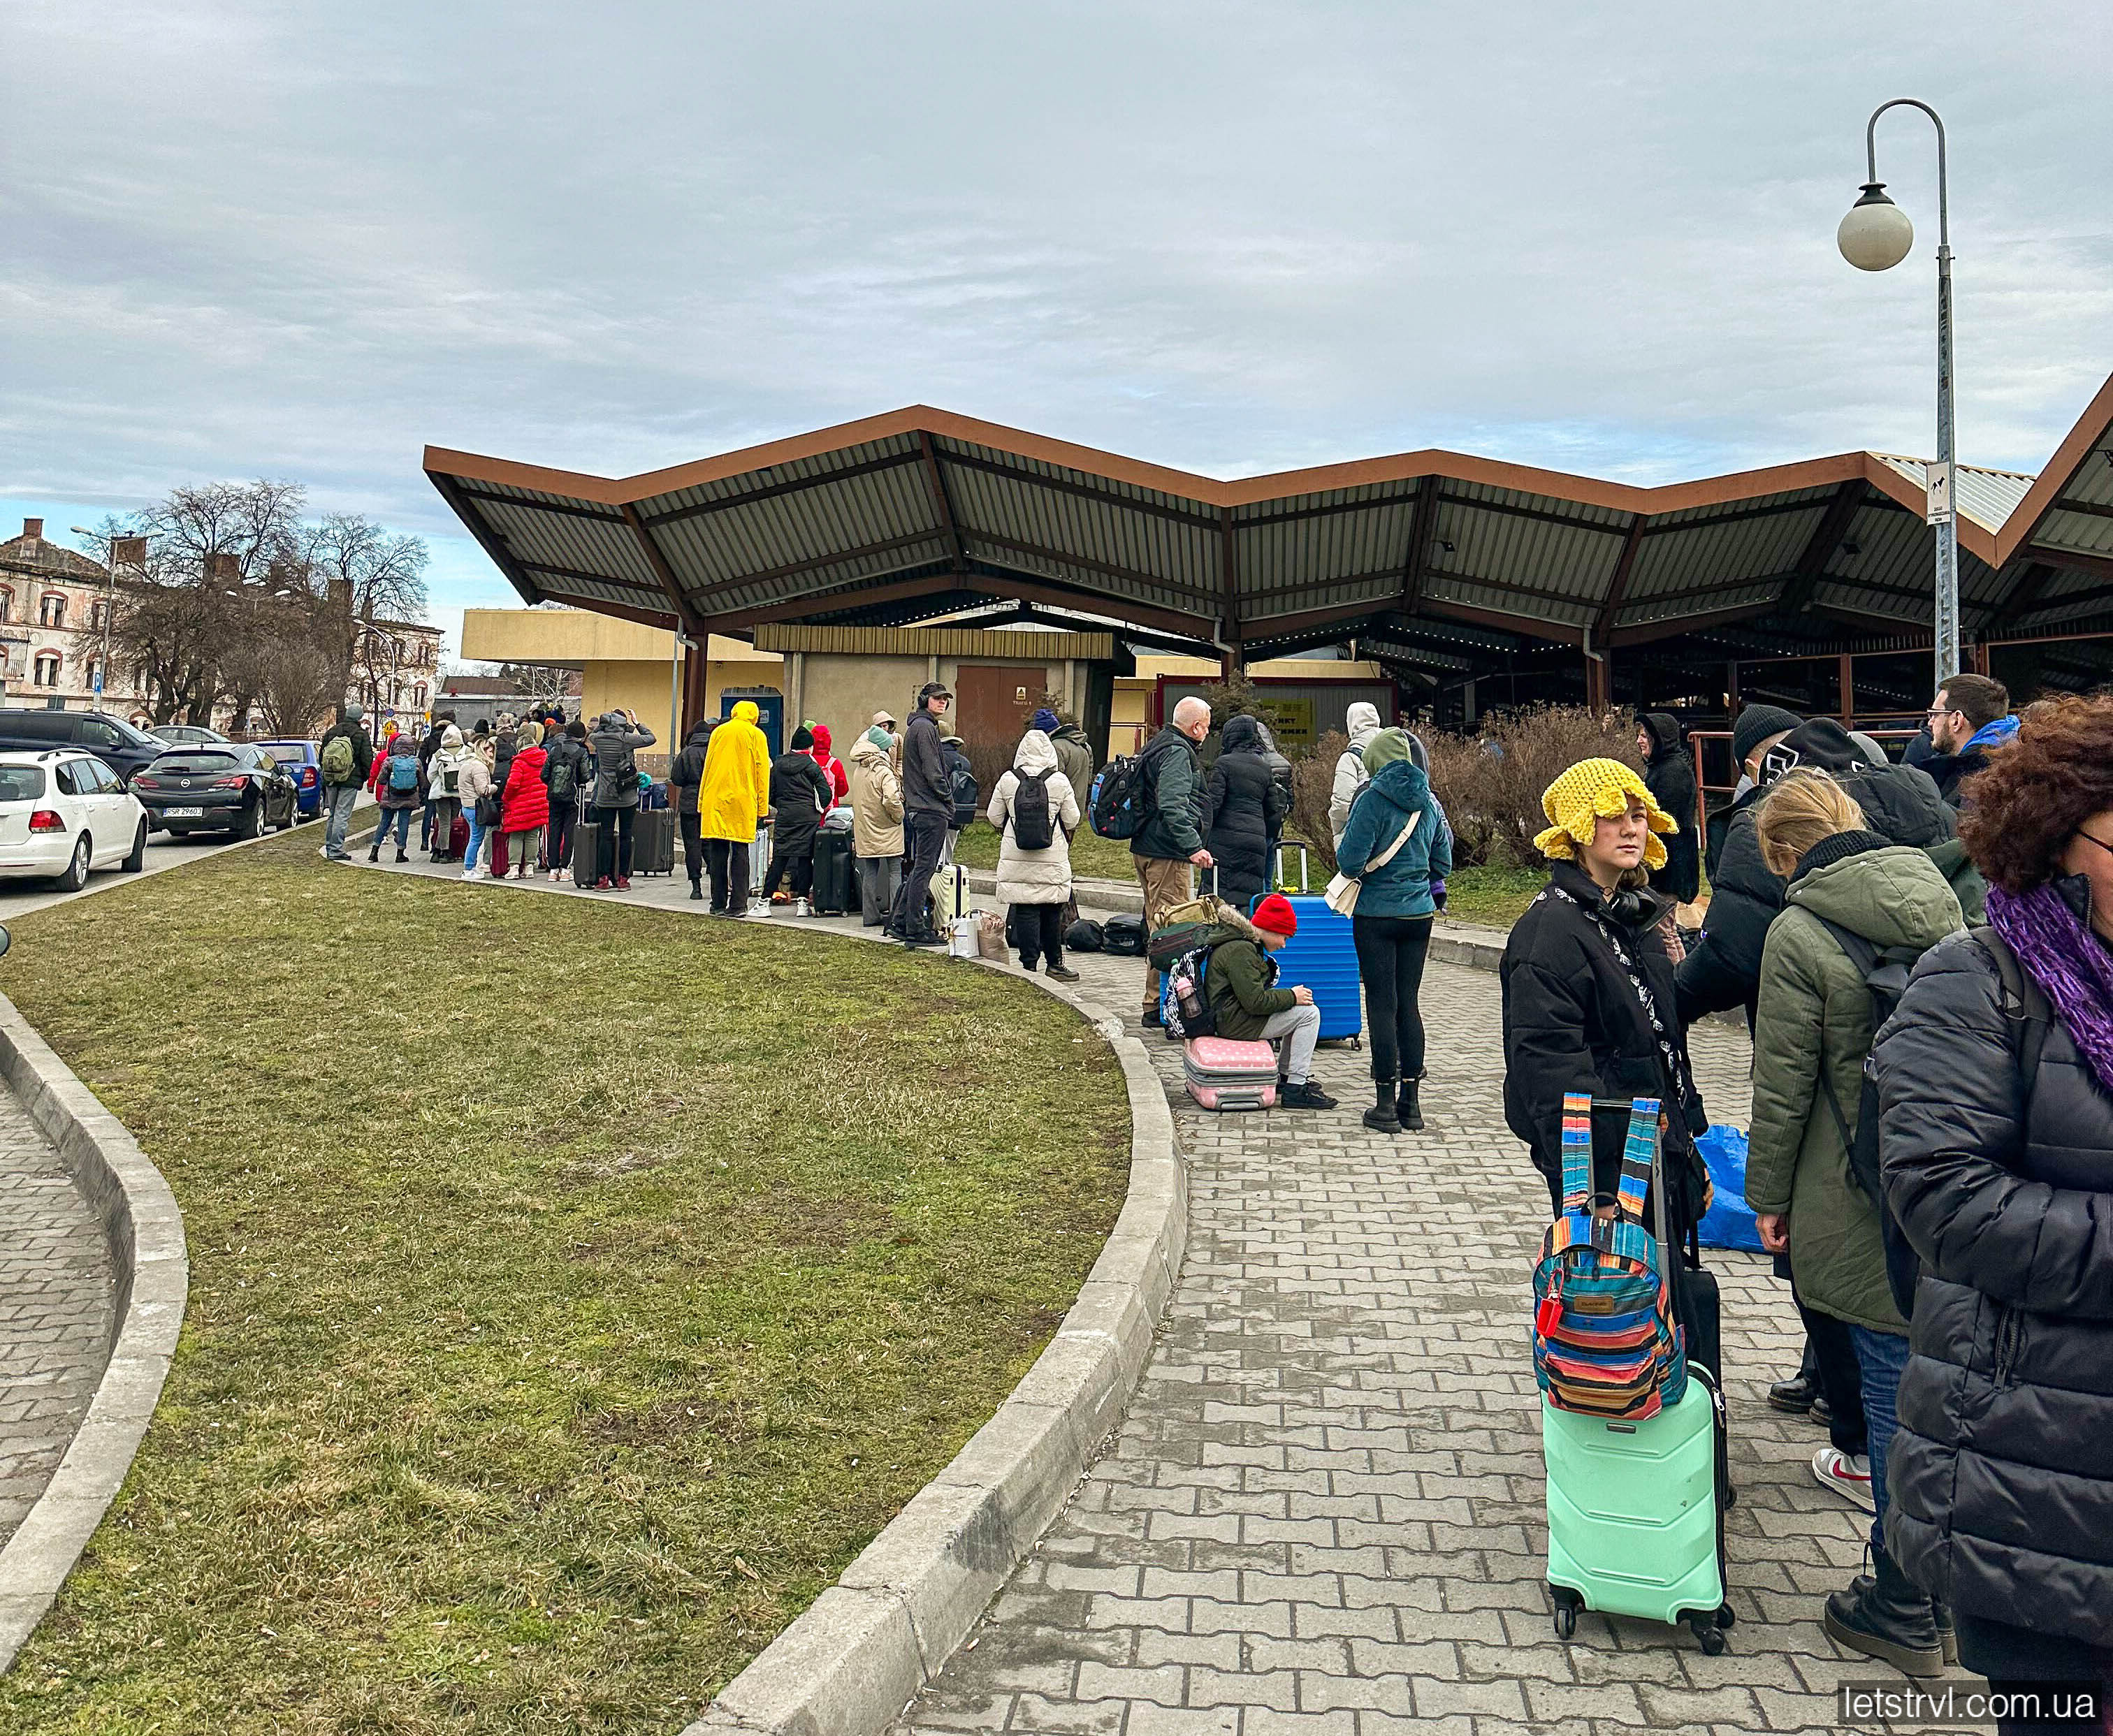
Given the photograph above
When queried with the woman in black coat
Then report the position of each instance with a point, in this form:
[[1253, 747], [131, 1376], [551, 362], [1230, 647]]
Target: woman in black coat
[[801, 793], [1243, 809], [1669, 773], [1995, 1080], [1587, 984]]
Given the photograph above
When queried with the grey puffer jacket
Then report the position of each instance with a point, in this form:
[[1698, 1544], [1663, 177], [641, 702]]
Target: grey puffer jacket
[[615, 740], [2001, 1475]]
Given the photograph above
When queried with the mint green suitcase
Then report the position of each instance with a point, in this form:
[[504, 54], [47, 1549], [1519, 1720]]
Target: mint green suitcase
[[1636, 1513]]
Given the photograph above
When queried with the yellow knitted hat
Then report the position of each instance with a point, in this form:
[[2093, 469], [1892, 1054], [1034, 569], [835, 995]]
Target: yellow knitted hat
[[1589, 790]]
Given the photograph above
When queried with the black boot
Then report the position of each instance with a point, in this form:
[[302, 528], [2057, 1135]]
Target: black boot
[[696, 889], [401, 857], [374, 854], [1887, 1617], [1380, 1117], [1797, 1394], [1407, 1110]]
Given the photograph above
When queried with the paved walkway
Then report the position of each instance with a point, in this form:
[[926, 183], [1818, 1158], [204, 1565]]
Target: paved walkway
[[55, 1311], [1324, 1511]]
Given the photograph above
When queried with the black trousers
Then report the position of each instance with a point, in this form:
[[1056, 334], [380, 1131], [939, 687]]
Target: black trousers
[[1841, 1376], [923, 837], [726, 863], [557, 841], [1391, 953], [1038, 931], [693, 846], [616, 824], [801, 868]]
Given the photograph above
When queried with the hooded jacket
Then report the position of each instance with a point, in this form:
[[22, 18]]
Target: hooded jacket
[[615, 742], [1401, 885], [833, 767], [1669, 775], [876, 801], [1034, 877], [403, 747], [800, 795], [1949, 770], [2001, 1475], [562, 750], [1172, 829], [1244, 808], [1239, 981], [1575, 1022], [735, 794], [1899, 802], [1815, 1015], [452, 760], [1075, 759], [687, 772], [1362, 722], [926, 788], [524, 803]]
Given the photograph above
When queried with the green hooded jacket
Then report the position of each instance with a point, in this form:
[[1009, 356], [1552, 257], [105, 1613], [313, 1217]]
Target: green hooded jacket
[[1815, 1012]]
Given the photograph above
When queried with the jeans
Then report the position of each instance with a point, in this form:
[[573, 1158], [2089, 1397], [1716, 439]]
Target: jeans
[[338, 801], [1301, 1026], [924, 834], [727, 862], [801, 868], [1040, 928], [473, 851], [1883, 1358], [616, 824], [400, 818], [693, 846], [880, 880], [1391, 951]]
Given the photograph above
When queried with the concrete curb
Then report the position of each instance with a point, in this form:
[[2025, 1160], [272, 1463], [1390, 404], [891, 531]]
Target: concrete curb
[[145, 1234], [849, 1664]]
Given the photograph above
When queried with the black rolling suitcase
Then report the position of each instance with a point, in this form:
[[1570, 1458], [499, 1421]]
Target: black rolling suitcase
[[586, 853], [653, 843], [835, 891]]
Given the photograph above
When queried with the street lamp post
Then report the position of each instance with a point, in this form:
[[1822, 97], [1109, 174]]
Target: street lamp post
[[109, 608], [1875, 236]]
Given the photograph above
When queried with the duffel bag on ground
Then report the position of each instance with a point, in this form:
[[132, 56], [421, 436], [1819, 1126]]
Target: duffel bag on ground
[[1123, 936], [1083, 936]]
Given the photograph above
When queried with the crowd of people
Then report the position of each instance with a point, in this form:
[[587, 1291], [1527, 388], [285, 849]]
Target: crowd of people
[[1924, 953]]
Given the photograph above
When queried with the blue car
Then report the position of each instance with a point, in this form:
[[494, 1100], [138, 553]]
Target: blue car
[[303, 764]]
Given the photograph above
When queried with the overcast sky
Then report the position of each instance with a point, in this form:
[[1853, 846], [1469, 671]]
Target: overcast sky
[[302, 240]]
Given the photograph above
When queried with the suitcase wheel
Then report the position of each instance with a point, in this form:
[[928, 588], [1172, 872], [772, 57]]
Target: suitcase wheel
[[1567, 1604], [1726, 1616], [1708, 1635]]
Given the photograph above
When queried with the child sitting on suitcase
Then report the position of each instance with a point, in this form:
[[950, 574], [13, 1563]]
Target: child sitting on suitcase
[[1246, 1006]]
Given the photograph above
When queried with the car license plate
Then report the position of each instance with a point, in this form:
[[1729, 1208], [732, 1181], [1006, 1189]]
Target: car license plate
[[183, 813]]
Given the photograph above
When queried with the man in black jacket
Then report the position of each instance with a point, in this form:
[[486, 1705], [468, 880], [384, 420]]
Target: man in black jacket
[[340, 796], [928, 810], [1669, 776], [1170, 842], [684, 779]]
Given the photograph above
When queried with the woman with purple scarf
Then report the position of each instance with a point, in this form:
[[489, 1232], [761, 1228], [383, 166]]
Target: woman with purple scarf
[[1995, 1081]]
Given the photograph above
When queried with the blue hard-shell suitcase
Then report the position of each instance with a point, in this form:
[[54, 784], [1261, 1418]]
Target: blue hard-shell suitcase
[[1323, 958]]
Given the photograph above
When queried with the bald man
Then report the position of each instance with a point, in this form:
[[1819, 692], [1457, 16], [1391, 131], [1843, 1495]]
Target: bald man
[[1169, 846]]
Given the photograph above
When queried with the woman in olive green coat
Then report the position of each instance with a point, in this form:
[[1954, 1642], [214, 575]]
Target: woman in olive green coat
[[1815, 1013]]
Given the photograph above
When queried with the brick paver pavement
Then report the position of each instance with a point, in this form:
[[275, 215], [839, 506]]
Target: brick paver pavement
[[1324, 1512], [55, 1311]]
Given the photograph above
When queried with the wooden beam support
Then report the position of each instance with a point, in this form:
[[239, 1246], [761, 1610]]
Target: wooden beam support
[[1209, 599], [1199, 629], [1822, 545], [2023, 594], [686, 611], [771, 491], [1618, 585], [2096, 565], [487, 537], [717, 594], [1422, 535], [1228, 617], [942, 505], [1198, 517], [1647, 632], [567, 509]]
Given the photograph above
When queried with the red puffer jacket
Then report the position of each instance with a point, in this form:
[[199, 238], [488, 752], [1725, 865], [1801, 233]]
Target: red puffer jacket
[[524, 805]]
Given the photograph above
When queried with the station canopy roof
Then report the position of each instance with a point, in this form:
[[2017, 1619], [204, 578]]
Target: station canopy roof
[[1431, 559]]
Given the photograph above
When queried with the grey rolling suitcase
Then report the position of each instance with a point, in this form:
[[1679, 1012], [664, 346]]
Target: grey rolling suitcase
[[653, 842]]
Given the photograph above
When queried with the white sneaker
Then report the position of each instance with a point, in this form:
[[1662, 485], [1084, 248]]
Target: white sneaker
[[1848, 1475], [473, 873]]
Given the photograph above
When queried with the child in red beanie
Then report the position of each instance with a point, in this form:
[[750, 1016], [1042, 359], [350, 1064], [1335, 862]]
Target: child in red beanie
[[1241, 983]]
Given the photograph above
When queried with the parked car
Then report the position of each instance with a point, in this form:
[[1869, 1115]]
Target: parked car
[[181, 735], [303, 764], [217, 786], [115, 742], [63, 813]]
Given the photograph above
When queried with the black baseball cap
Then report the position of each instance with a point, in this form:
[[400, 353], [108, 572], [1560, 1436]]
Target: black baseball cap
[[933, 690]]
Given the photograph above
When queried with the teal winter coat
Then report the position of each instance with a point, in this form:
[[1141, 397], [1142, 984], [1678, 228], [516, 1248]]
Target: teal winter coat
[[1400, 887]]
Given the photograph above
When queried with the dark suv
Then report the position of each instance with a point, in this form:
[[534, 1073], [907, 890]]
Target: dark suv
[[115, 742]]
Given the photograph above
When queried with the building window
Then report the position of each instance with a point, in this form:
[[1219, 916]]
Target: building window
[[97, 612], [47, 671], [418, 696], [95, 673], [52, 611], [6, 604]]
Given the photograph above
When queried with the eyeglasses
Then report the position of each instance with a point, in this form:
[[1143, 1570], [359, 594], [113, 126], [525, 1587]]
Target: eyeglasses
[[1935, 712], [2095, 839]]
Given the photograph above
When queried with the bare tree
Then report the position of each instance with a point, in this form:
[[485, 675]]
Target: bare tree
[[365, 575]]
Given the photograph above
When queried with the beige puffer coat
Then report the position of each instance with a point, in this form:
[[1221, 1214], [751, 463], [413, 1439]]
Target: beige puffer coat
[[876, 799], [1034, 877]]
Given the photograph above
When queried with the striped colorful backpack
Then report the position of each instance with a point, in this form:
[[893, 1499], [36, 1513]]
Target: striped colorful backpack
[[1604, 1340]]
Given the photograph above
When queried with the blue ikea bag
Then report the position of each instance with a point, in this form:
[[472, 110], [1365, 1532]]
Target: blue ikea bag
[[1729, 1221]]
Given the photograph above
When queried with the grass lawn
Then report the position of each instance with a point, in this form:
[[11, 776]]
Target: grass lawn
[[575, 1289], [1496, 897]]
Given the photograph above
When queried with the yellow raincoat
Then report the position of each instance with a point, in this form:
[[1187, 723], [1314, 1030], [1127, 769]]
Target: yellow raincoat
[[735, 794]]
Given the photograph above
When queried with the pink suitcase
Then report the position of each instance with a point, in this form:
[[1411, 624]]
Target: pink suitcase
[[1222, 1074]]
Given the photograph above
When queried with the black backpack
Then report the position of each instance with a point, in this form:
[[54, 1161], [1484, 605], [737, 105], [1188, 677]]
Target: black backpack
[[1122, 796], [1123, 936], [1031, 827], [962, 785]]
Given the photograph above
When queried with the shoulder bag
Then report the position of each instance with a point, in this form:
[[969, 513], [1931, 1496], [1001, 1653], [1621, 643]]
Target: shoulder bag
[[1342, 893]]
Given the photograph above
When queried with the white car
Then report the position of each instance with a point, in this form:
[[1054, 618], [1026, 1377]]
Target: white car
[[62, 812]]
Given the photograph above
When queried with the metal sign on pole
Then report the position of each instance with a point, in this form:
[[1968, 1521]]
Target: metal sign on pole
[[1939, 507]]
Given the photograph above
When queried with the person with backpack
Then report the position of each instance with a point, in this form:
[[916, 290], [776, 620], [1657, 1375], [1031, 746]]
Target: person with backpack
[[733, 800], [876, 820], [1397, 849], [685, 776], [801, 793], [524, 805], [565, 778], [445, 776], [1243, 809], [616, 740], [833, 767], [397, 789], [1361, 722], [345, 759], [1854, 904], [927, 814], [426, 748], [1995, 1084], [480, 807], [1669, 774], [1239, 985], [961, 788], [1167, 846], [1074, 754], [1036, 812]]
